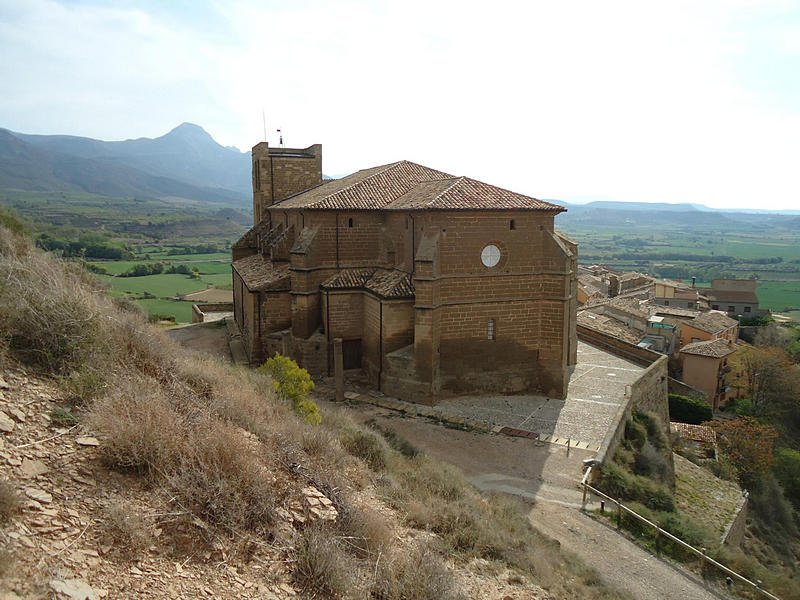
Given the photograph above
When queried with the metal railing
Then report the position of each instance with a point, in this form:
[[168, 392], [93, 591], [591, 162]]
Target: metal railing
[[704, 558]]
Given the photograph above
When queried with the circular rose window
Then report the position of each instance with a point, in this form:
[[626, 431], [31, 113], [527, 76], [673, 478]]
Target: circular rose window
[[490, 255]]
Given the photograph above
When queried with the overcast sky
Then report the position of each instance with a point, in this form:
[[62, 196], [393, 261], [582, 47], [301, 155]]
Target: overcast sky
[[694, 101]]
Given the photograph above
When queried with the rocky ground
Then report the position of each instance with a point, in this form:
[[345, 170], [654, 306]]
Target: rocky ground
[[81, 531]]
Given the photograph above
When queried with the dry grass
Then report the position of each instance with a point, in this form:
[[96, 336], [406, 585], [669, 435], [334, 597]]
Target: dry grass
[[125, 531], [417, 575], [322, 566], [216, 440], [9, 501]]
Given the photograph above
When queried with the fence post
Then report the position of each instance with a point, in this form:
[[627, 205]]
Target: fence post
[[619, 514], [568, 442], [703, 563], [658, 541]]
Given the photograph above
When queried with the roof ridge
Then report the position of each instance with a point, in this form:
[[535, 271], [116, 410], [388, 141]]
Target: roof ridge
[[389, 167], [456, 180]]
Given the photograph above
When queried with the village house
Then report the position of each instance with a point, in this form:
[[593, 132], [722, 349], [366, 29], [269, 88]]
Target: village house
[[436, 285], [735, 296], [709, 325], [676, 294], [705, 367]]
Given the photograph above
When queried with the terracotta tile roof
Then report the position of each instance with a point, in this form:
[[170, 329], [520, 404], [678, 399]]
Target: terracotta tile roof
[[463, 193], [261, 274], [348, 279], [718, 348], [712, 322], [610, 326], [386, 283], [741, 297], [698, 433], [405, 185]]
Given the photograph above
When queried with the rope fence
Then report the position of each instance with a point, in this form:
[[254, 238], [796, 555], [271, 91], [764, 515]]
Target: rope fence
[[704, 558]]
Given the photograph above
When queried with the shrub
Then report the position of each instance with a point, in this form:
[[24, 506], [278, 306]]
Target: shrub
[[635, 434], [321, 564], [396, 442], [617, 483], [365, 446], [50, 316], [141, 431], [418, 575], [649, 462], [9, 501], [685, 409], [125, 531], [369, 533], [63, 418], [220, 479], [292, 384], [787, 472]]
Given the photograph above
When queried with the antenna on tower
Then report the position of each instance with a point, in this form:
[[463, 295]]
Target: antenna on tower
[[280, 138], [264, 123]]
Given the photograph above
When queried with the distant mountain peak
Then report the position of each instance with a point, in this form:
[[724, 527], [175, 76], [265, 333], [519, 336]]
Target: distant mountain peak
[[189, 131]]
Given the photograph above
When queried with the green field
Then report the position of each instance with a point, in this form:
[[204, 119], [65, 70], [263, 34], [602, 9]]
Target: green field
[[778, 295], [182, 311], [161, 286]]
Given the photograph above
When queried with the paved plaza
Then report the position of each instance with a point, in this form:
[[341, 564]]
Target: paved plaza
[[596, 390]]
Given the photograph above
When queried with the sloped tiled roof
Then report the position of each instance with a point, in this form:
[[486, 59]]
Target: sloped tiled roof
[[386, 283], [405, 185], [698, 433], [261, 274], [742, 297], [718, 348], [712, 322]]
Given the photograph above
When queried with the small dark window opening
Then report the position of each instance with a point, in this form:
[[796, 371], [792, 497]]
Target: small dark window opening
[[350, 222], [406, 222], [512, 226], [491, 329]]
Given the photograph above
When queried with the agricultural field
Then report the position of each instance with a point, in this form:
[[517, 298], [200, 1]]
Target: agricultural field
[[768, 251]]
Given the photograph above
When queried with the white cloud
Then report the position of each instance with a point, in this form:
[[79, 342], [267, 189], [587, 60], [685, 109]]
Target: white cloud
[[623, 100]]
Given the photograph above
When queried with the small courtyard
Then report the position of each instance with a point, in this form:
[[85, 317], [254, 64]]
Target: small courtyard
[[596, 391]]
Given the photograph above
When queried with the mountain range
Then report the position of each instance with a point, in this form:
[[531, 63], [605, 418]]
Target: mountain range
[[184, 163]]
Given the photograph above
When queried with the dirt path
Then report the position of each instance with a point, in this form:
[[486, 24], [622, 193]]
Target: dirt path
[[545, 474], [211, 338]]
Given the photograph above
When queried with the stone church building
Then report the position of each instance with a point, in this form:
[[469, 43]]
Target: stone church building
[[437, 285]]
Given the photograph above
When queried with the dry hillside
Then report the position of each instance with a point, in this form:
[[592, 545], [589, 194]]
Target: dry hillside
[[131, 468]]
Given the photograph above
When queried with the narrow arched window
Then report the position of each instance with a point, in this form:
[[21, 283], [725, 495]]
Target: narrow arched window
[[511, 225], [491, 329], [350, 222]]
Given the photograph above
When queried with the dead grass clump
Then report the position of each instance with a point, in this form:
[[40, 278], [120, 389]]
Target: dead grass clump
[[51, 317], [141, 431], [9, 501], [322, 565], [366, 446], [125, 531], [419, 575], [369, 533], [221, 479]]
